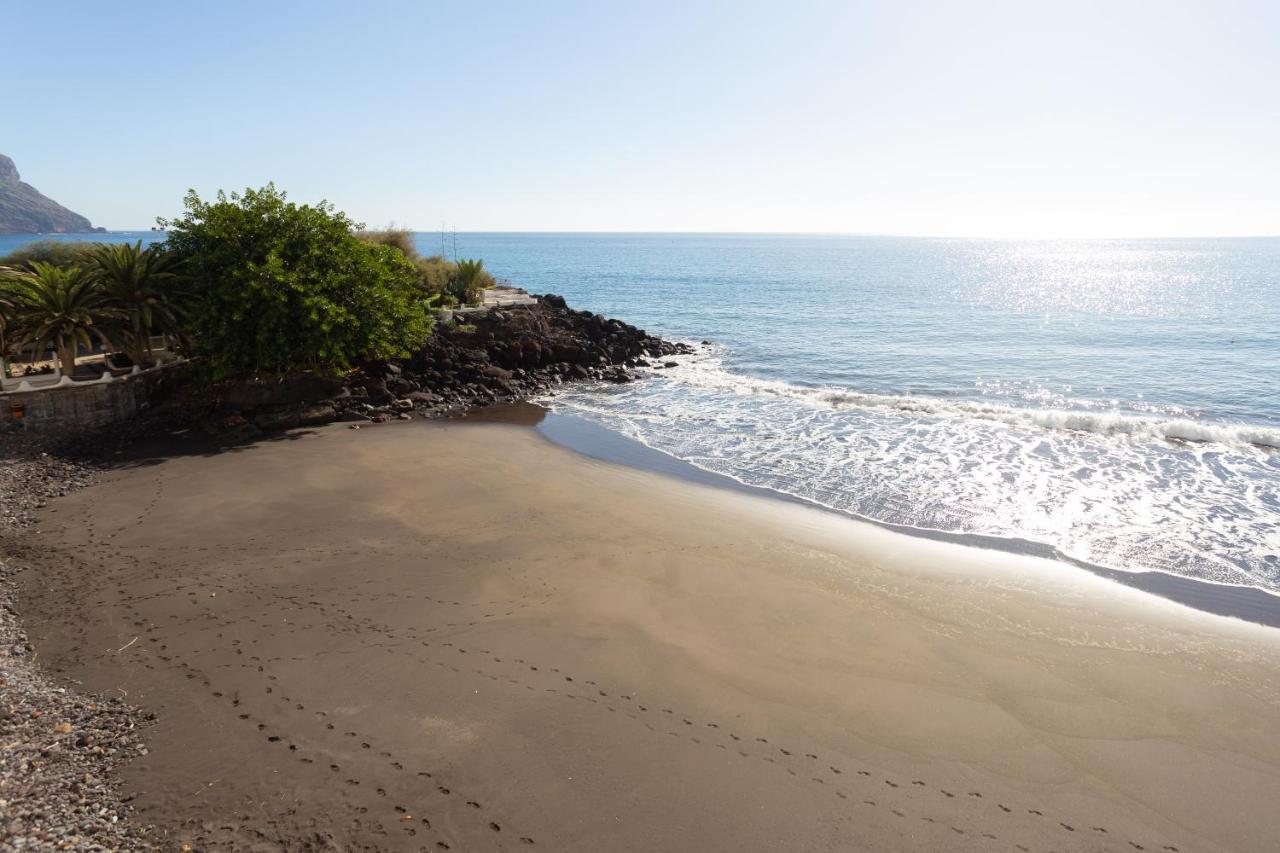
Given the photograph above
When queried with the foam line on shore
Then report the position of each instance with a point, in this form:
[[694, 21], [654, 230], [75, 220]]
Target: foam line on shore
[[708, 373], [1238, 601]]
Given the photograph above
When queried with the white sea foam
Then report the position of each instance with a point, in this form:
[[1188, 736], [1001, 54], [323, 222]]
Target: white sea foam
[[707, 372], [1111, 399], [1107, 487]]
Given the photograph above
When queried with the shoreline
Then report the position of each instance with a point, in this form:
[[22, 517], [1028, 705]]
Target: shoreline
[[419, 565], [1247, 603]]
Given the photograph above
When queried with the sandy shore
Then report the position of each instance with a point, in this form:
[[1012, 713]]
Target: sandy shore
[[459, 636], [60, 748]]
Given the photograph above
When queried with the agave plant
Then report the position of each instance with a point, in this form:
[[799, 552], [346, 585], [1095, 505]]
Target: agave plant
[[141, 285], [65, 306]]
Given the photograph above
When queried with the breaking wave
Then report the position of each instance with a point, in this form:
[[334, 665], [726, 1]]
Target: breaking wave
[[1135, 490], [708, 373]]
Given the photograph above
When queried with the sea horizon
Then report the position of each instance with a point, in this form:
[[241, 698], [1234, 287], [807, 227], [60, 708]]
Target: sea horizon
[[19, 239]]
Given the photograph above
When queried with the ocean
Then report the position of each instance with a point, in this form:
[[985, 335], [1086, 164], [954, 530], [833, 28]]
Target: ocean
[[1114, 402]]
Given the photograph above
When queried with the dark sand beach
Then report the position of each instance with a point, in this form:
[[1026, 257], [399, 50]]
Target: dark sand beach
[[461, 636]]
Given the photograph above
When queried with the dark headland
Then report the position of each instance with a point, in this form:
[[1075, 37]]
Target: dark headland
[[26, 210]]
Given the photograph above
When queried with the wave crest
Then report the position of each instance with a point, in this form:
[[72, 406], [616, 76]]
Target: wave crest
[[709, 374]]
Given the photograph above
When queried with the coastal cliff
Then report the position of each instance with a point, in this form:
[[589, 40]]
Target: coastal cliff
[[25, 210]]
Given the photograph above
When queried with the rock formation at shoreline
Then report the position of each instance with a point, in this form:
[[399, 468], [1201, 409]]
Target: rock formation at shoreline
[[25, 210], [502, 355]]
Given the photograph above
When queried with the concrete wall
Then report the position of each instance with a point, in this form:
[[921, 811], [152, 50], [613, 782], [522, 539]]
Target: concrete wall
[[89, 405]]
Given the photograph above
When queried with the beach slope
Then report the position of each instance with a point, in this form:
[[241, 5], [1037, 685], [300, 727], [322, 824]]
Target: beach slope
[[459, 636]]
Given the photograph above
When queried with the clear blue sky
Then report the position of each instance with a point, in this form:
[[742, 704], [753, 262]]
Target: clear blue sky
[[975, 119]]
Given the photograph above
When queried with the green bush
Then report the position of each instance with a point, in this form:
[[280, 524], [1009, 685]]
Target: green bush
[[434, 272], [453, 283], [400, 239], [278, 287]]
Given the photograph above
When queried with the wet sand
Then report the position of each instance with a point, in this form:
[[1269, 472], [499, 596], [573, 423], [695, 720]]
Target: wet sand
[[460, 636]]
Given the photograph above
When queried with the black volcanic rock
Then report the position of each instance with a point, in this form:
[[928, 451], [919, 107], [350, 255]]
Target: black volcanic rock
[[501, 355], [24, 210]]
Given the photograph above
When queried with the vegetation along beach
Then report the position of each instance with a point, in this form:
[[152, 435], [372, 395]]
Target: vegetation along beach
[[839, 427]]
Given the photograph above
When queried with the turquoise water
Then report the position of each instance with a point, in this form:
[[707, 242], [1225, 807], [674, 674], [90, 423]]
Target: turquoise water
[[1118, 401], [9, 242]]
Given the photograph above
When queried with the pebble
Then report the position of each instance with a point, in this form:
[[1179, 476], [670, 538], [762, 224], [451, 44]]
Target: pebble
[[57, 781]]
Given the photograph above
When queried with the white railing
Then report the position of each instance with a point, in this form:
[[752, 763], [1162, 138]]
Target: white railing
[[33, 383], [58, 379]]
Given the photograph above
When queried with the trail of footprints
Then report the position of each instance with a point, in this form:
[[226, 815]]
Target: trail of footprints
[[402, 817], [810, 764], [481, 661], [138, 521], [758, 747], [409, 820]]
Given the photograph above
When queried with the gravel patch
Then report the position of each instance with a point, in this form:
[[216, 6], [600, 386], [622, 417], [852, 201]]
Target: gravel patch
[[59, 747]]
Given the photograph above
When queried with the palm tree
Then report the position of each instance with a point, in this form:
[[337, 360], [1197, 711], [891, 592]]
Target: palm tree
[[64, 306], [467, 280], [140, 284], [8, 319]]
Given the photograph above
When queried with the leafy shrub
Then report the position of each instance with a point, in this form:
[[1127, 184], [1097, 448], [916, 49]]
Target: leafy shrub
[[435, 273], [400, 239], [452, 282], [278, 286]]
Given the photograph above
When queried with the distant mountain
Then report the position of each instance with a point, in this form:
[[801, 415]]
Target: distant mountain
[[24, 210]]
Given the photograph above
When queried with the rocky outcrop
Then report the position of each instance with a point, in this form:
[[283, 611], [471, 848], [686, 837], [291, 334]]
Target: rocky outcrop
[[502, 355], [25, 210]]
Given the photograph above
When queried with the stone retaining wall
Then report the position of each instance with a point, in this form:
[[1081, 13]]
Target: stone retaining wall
[[89, 405]]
